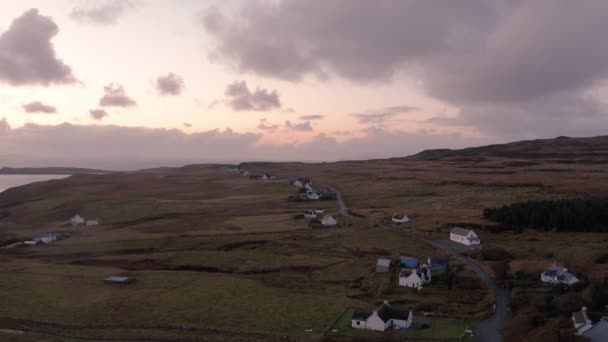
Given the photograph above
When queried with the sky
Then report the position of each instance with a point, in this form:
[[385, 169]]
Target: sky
[[126, 84]]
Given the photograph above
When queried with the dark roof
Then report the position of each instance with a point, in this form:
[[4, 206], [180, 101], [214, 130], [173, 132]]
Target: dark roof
[[405, 273], [399, 216], [579, 317], [386, 312], [599, 331], [550, 273], [361, 315], [460, 231]]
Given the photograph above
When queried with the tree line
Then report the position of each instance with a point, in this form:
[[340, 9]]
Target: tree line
[[562, 215]]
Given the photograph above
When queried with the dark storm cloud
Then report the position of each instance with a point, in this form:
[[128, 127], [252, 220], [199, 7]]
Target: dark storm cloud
[[27, 55], [170, 84], [104, 14], [300, 127], [38, 107], [240, 98], [98, 114], [379, 116], [503, 62], [311, 117], [115, 96]]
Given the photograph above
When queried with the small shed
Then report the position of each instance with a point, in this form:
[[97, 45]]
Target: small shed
[[408, 261], [118, 280], [383, 265]]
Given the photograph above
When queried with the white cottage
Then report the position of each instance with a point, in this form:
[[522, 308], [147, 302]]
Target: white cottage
[[45, 238], [313, 195], [329, 220], [464, 236], [581, 321], [414, 278], [310, 214], [382, 319], [94, 222], [77, 220], [400, 218], [558, 275]]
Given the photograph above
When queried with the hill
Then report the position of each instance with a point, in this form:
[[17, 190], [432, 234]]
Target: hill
[[48, 171], [570, 150]]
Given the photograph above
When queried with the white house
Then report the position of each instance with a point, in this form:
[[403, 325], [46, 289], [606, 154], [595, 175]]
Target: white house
[[414, 278], [319, 211], [77, 220], [597, 332], [308, 186], [464, 236], [400, 218], [94, 222], [382, 319], [581, 321], [558, 275], [45, 238], [313, 195], [310, 214], [329, 220]]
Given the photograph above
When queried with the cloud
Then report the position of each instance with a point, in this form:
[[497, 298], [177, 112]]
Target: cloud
[[27, 56], [379, 116], [98, 114], [39, 107], [311, 117], [300, 127], [117, 147], [171, 84], [240, 98], [187, 125], [494, 61], [104, 14], [265, 126], [115, 96]]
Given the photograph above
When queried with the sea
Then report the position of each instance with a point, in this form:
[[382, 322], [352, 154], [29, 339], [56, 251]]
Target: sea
[[10, 181]]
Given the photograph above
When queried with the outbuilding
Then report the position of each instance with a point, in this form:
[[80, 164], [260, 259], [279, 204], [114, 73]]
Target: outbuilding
[[400, 218], [329, 220], [408, 261], [118, 280], [383, 265]]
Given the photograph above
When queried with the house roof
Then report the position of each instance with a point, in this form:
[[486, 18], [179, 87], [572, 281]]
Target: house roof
[[361, 315], [580, 317], [405, 273], [386, 312], [599, 331], [566, 277], [460, 231], [399, 216], [383, 262]]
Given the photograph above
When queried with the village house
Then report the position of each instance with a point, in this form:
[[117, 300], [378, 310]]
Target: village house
[[235, 170], [437, 264], [118, 280], [319, 211], [414, 278], [77, 220], [44, 238], [464, 236], [383, 265], [310, 214], [329, 220], [597, 332], [556, 274], [92, 222], [313, 195], [382, 319], [400, 218]]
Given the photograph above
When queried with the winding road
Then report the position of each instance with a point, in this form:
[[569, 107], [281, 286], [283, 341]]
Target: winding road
[[487, 330]]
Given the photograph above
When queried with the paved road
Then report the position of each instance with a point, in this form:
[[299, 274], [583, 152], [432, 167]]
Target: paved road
[[487, 330]]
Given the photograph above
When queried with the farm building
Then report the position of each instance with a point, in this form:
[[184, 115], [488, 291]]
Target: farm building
[[313, 195], [464, 236], [77, 220], [414, 278], [329, 220], [45, 238], [597, 332], [310, 214], [118, 280], [437, 264], [93, 222], [408, 261], [319, 211], [382, 319], [400, 218], [383, 265], [558, 275]]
